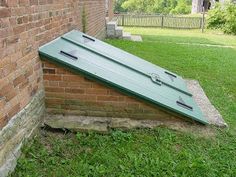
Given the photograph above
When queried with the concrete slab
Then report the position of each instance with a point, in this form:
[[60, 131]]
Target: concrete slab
[[136, 38], [112, 25], [126, 35], [119, 32]]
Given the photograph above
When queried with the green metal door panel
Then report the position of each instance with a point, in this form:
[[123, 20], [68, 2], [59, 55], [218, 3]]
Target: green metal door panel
[[126, 58], [119, 75]]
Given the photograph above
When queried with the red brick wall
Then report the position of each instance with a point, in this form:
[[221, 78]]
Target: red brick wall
[[24, 26], [69, 93], [110, 9], [95, 15]]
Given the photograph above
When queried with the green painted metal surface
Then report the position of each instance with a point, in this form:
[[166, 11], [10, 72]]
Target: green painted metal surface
[[123, 71]]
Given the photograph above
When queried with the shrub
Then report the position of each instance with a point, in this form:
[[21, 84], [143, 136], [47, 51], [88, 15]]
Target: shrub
[[223, 17], [183, 7]]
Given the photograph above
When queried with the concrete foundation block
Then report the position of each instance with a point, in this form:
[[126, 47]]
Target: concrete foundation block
[[112, 25], [119, 32]]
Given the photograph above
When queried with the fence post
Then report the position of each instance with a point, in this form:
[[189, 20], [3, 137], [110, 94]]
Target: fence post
[[123, 19], [200, 22], [203, 19], [162, 21]]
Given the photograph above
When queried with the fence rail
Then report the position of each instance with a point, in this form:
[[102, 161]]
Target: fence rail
[[159, 21]]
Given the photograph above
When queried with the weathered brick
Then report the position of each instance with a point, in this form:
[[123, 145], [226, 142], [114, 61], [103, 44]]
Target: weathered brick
[[34, 2], [55, 95], [74, 90], [54, 89], [12, 40], [3, 121], [18, 80], [23, 2], [54, 101], [2, 103], [52, 77], [10, 95], [5, 89], [94, 91], [15, 109], [5, 12], [49, 71], [19, 29], [9, 68], [73, 78], [107, 98]]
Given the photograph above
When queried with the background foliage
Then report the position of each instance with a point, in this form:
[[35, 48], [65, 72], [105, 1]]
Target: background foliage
[[223, 17], [154, 6]]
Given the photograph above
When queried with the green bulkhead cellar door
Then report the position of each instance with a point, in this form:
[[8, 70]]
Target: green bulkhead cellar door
[[123, 71]]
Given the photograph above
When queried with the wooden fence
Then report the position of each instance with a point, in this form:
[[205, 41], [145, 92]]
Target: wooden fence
[[159, 21]]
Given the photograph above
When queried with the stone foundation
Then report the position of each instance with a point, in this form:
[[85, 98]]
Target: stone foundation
[[18, 129], [104, 124]]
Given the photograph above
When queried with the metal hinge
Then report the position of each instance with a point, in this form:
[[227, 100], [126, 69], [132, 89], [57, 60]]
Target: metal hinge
[[156, 78]]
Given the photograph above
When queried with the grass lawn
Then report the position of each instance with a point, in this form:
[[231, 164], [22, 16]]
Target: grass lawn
[[159, 152]]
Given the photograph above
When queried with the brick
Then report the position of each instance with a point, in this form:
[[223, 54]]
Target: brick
[[3, 3], [85, 98], [54, 95], [23, 84], [34, 2], [52, 77], [49, 71], [2, 103], [27, 50], [23, 2], [10, 95], [15, 109], [28, 72], [53, 83], [107, 98], [74, 90], [5, 89], [54, 89], [54, 101], [18, 80], [3, 121], [12, 40], [73, 78], [61, 71], [9, 68], [94, 91], [19, 29], [4, 12]]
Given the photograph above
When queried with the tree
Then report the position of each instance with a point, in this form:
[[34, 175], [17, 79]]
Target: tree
[[223, 17], [157, 6], [183, 7], [118, 6], [138, 5]]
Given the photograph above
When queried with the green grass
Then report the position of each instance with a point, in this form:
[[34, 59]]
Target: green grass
[[159, 152], [184, 36]]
